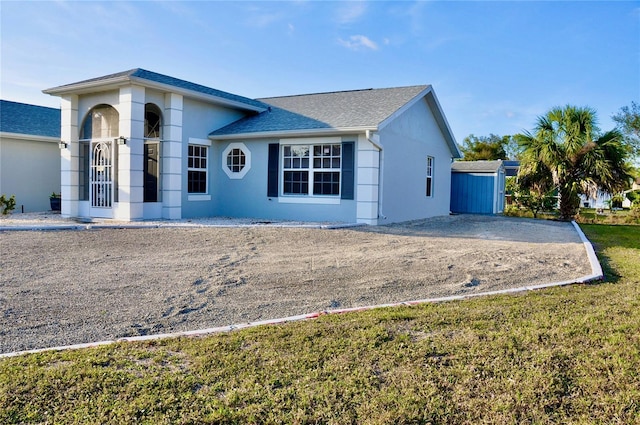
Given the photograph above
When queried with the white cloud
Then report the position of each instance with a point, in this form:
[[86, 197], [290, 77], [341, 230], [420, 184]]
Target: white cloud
[[262, 20], [351, 11], [358, 42]]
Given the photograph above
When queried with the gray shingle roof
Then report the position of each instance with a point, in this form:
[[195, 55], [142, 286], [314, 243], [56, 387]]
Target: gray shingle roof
[[21, 118], [143, 74], [476, 166], [334, 110]]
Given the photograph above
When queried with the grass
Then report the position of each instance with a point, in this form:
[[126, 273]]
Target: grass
[[591, 216], [564, 355], [585, 215]]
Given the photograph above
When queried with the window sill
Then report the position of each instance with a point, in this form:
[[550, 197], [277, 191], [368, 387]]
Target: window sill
[[199, 197], [284, 199]]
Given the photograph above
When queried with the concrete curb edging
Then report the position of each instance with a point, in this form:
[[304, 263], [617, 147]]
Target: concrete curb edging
[[596, 274], [596, 268], [100, 226]]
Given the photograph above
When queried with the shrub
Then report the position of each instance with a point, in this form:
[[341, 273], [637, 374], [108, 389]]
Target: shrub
[[7, 204]]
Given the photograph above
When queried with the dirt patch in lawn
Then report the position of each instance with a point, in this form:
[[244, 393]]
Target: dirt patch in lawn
[[69, 287]]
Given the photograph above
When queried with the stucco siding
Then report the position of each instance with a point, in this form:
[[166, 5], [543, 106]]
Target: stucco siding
[[199, 118], [31, 171], [407, 142], [88, 101], [247, 197]]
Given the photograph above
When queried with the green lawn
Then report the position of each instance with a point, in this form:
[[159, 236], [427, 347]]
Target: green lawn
[[563, 355]]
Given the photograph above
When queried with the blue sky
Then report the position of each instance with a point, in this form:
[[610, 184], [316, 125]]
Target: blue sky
[[495, 65]]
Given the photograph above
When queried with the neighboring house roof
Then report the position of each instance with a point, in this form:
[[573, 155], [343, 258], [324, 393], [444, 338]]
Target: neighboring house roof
[[476, 166], [352, 110], [511, 167], [33, 120], [149, 78]]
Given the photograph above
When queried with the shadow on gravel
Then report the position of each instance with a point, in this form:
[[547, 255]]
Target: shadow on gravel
[[485, 227]]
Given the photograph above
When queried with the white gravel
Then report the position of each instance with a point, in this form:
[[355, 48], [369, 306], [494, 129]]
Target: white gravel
[[77, 286]]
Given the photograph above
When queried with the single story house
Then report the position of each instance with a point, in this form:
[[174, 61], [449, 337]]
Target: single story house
[[477, 187], [141, 145], [29, 154]]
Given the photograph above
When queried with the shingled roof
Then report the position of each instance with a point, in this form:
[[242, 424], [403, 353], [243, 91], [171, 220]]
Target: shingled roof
[[476, 166], [33, 120], [143, 76], [355, 109]]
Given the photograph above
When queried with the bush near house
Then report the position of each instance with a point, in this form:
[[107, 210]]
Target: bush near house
[[7, 204]]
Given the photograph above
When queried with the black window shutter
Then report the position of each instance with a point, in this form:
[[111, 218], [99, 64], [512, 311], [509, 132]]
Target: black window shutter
[[348, 170], [272, 173]]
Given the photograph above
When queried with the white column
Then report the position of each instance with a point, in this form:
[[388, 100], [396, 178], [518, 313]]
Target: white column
[[368, 161], [172, 157], [131, 156], [69, 157]]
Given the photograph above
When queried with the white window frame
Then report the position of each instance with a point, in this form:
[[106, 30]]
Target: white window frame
[[429, 177], [247, 161], [199, 196], [310, 197]]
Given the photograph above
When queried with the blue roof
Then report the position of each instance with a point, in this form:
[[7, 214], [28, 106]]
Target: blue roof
[[21, 118], [143, 74]]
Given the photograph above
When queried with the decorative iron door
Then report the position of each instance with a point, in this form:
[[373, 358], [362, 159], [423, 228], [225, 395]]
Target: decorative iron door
[[101, 174]]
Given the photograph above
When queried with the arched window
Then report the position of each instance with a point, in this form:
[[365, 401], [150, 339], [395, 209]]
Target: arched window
[[152, 122], [102, 121]]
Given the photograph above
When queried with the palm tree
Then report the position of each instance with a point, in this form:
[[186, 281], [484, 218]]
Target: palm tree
[[566, 148]]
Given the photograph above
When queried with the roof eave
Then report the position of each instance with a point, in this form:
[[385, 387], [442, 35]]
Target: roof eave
[[30, 137], [88, 86], [429, 94], [116, 82], [293, 133], [197, 95], [432, 100]]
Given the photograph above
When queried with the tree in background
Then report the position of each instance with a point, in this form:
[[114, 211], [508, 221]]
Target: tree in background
[[566, 148], [484, 148], [628, 120]]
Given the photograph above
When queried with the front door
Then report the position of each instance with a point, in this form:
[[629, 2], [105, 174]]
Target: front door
[[101, 179]]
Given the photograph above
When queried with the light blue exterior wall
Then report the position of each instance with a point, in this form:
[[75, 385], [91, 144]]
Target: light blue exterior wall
[[199, 119], [247, 197], [407, 142]]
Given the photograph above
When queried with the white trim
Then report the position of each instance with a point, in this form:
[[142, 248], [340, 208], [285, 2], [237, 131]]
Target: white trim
[[430, 175], [326, 200], [312, 141], [116, 82], [202, 142], [405, 107], [247, 156], [295, 133], [199, 197], [30, 137]]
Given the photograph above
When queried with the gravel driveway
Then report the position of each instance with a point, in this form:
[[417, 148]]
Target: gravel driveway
[[70, 287]]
